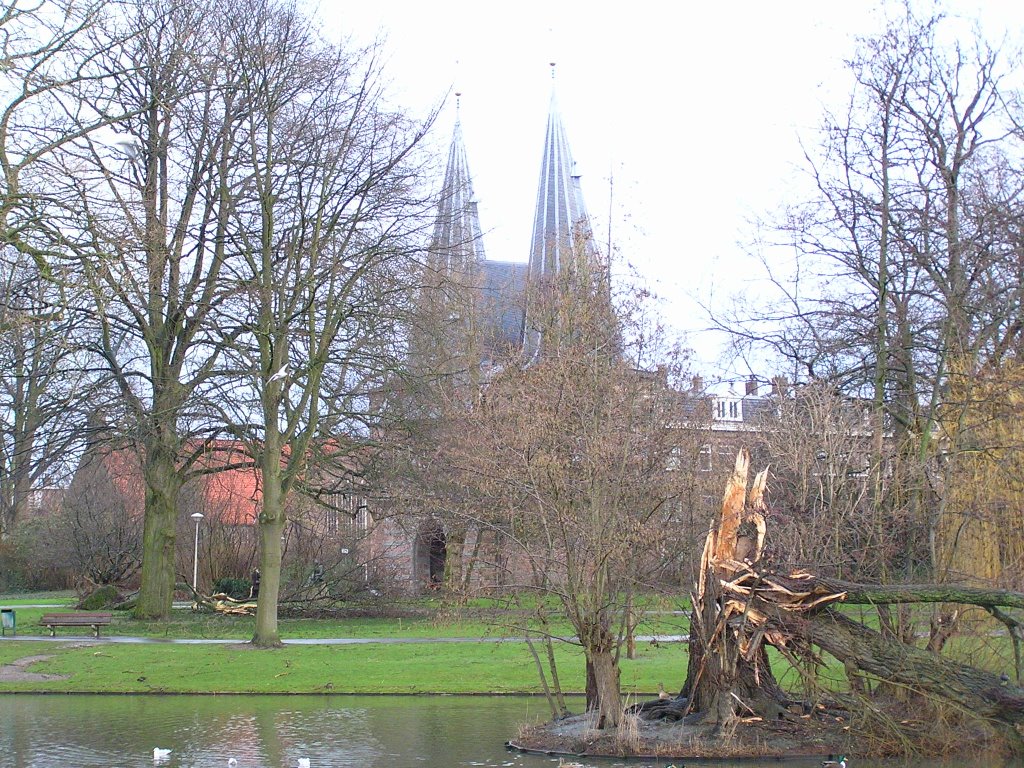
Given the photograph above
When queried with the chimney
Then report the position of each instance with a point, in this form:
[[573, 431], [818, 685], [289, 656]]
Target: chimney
[[751, 388], [697, 385], [780, 386]]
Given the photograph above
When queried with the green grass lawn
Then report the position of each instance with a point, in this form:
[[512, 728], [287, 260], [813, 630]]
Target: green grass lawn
[[483, 667], [499, 663], [447, 622], [60, 600]]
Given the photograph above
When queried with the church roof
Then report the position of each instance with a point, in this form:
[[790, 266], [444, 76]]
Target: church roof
[[504, 285]]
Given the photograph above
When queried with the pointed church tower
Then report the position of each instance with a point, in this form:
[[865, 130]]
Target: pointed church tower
[[445, 341], [457, 246], [560, 217], [560, 222]]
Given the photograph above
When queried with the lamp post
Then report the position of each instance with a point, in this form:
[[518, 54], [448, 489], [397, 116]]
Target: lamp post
[[197, 516]]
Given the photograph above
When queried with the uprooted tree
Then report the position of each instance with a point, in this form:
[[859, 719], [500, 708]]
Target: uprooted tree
[[742, 605]]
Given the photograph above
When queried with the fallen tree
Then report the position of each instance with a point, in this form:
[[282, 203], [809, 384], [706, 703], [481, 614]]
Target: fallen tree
[[742, 605]]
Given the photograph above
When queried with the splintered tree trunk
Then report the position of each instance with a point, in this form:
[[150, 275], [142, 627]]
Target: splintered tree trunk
[[741, 606], [728, 670], [714, 655]]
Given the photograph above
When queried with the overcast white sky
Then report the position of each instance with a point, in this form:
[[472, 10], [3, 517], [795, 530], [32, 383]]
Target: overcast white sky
[[697, 109]]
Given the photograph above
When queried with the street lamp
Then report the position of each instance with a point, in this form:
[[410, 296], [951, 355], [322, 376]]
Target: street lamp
[[197, 516]]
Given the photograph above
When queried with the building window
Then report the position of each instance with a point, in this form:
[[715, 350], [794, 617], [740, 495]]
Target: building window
[[704, 459], [674, 458], [728, 409]]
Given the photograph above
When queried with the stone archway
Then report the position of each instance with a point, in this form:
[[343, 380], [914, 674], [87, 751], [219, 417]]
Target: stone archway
[[430, 555]]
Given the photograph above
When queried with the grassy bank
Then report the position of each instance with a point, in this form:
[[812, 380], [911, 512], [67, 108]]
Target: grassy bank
[[479, 667], [421, 619], [499, 662]]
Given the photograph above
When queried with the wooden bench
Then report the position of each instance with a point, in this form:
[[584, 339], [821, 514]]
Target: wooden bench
[[95, 620]]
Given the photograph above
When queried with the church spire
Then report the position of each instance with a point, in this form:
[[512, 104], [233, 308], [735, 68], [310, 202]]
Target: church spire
[[457, 246], [561, 227], [560, 217]]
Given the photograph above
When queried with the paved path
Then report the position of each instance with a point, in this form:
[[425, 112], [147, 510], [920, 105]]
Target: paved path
[[307, 641]]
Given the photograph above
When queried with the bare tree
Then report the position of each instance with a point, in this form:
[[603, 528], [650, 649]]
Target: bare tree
[[45, 55], [570, 459], [324, 209], [145, 214], [902, 286]]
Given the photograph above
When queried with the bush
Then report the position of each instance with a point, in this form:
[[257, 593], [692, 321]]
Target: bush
[[235, 588], [27, 564], [106, 596]]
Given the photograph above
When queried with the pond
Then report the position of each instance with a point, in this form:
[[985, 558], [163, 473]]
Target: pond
[[44, 731]]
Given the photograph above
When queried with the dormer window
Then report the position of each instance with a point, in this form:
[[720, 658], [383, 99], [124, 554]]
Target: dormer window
[[728, 409]]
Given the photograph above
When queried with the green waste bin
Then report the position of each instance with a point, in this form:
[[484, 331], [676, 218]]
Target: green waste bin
[[7, 621]]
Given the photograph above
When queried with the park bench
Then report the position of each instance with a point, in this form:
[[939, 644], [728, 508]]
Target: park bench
[[95, 620]]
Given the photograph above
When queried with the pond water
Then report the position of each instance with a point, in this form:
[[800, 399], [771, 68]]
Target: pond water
[[44, 731]]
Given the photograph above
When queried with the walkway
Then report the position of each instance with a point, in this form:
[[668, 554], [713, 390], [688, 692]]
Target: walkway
[[308, 641]]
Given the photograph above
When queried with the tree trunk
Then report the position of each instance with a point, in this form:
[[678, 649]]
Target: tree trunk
[[163, 483], [606, 682], [740, 606], [982, 693], [271, 529], [728, 668], [721, 678]]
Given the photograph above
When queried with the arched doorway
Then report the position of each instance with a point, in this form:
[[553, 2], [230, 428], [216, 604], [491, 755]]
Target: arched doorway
[[429, 556]]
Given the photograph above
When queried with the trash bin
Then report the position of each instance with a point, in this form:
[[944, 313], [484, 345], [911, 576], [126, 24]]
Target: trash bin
[[7, 621]]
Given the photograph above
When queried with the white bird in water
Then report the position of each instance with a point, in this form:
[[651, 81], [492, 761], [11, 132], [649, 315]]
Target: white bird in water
[[232, 761], [161, 754], [303, 762], [281, 375]]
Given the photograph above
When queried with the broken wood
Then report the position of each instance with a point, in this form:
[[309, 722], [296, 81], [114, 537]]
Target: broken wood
[[220, 603], [741, 605]]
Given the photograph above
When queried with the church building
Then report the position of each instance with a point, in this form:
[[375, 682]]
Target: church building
[[478, 312]]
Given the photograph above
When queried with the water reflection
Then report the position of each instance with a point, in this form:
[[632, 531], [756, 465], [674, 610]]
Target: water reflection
[[276, 731]]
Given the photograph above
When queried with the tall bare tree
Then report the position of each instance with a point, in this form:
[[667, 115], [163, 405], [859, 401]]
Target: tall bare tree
[[902, 289], [145, 216], [325, 219], [46, 57], [574, 460]]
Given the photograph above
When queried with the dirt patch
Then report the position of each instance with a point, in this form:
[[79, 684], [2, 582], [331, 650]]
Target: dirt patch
[[753, 738], [17, 671]]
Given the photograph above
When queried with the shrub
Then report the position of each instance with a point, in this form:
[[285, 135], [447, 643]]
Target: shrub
[[106, 596], [237, 588]]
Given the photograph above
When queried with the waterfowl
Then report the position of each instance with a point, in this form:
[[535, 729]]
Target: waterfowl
[[838, 763], [161, 754], [662, 693], [304, 762]]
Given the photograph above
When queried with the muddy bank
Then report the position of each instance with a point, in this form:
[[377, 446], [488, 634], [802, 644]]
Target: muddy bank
[[751, 737], [17, 671]]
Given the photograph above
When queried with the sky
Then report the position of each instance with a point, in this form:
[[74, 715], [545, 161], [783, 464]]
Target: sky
[[687, 121]]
